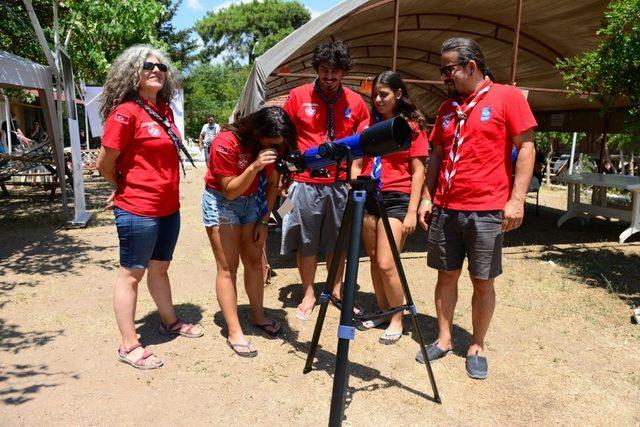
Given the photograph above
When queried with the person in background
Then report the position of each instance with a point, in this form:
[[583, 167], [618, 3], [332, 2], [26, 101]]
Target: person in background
[[400, 177], [207, 134], [241, 188], [139, 156]]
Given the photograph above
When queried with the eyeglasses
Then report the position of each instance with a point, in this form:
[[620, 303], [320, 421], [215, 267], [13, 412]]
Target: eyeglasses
[[151, 65], [448, 69]]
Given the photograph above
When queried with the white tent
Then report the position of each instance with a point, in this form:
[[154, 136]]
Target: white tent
[[19, 73], [521, 40]]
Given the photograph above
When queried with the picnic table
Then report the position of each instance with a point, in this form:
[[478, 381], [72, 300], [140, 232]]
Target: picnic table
[[598, 206]]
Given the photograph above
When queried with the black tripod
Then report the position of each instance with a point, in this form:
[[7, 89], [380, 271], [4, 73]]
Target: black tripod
[[352, 222]]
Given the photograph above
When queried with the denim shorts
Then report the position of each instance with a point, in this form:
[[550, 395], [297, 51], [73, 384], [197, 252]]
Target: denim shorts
[[218, 210], [144, 238]]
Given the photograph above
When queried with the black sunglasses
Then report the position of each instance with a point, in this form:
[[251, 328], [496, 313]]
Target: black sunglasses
[[448, 69], [151, 65]]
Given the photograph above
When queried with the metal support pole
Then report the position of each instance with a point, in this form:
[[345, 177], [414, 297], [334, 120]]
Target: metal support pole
[[516, 42], [573, 152], [7, 114], [396, 20]]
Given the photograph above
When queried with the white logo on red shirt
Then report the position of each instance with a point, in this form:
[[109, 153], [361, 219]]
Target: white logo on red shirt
[[221, 149], [243, 161], [446, 120], [153, 131], [309, 109]]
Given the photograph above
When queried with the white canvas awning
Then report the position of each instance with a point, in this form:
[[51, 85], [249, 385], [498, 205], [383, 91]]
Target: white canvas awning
[[549, 30]]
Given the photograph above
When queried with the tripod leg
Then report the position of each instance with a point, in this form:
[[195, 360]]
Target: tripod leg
[[338, 251], [407, 293], [346, 331]]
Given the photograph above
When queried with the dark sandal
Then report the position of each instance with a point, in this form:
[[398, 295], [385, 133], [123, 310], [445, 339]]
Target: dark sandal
[[139, 363], [171, 329], [337, 302], [272, 324], [252, 353], [389, 338]]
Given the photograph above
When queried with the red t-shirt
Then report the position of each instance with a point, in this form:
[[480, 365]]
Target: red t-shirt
[[483, 178], [148, 167], [227, 157], [309, 114], [396, 167]]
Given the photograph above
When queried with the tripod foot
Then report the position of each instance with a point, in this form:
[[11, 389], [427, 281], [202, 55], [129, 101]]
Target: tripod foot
[[306, 370]]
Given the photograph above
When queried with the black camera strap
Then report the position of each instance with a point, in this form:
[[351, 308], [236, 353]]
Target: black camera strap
[[177, 142]]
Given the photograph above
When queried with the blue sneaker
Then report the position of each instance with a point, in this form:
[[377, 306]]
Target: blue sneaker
[[477, 367], [433, 352]]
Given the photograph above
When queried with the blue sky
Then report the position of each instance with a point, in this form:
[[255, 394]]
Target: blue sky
[[192, 10]]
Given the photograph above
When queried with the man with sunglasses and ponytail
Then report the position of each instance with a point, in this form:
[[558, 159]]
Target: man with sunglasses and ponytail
[[322, 111], [469, 200]]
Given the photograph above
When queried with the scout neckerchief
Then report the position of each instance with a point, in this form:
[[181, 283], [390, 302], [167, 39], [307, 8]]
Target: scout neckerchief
[[376, 167], [177, 142], [458, 138], [331, 133], [261, 195]]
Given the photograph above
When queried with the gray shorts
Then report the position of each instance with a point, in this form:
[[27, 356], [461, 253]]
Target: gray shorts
[[312, 225], [475, 234]]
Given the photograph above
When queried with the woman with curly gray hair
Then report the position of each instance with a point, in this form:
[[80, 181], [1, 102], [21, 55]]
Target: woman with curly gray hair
[[140, 156]]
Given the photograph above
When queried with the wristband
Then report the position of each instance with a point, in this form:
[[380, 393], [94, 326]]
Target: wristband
[[425, 202], [264, 221]]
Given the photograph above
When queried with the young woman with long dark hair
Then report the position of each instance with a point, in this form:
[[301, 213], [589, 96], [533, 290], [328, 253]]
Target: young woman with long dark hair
[[400, 177], [241, 188]]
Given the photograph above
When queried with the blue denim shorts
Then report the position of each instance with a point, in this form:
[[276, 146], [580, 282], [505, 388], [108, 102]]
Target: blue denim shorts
[[145, 238], [218, 210]]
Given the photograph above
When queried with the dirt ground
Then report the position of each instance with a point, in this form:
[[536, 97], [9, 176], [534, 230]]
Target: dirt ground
[[562, 347]]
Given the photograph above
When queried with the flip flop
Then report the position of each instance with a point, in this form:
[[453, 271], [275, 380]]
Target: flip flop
[[302, 315], [187, 332], [373, 323], [389, 338], [248, 354], [274, 330], [140, 362]]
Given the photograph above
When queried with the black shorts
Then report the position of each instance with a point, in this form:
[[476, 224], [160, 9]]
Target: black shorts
[[396, 204], [476, 235]]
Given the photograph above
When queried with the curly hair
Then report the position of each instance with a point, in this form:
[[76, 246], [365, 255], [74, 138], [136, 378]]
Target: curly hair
[[334, 53], [404, 106], [124, 76]]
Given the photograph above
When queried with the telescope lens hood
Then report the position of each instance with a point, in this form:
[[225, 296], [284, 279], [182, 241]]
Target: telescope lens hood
[[386, 137]]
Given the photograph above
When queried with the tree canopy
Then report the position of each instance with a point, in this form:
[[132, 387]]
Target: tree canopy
[[612, 71], [211, 89], [100, 30], [244, 31]]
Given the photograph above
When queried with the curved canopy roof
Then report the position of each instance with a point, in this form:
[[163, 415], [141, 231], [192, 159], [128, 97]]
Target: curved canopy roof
[[550, 29]]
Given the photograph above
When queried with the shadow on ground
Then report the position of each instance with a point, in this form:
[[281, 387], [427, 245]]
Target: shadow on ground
[[19, 383], [602, 267]]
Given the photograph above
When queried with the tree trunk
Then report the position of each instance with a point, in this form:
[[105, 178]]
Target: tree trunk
[[547, 175], [603, 145], [621, 163], [632, 165]]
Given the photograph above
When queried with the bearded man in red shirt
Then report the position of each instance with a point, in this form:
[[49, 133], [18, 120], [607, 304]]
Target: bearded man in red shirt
[[322, 111], [469, 199]]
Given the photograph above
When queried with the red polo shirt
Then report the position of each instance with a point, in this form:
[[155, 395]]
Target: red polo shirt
[[228, 157], [483, 178], [396, 167], [148, 167], [309, 114]]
